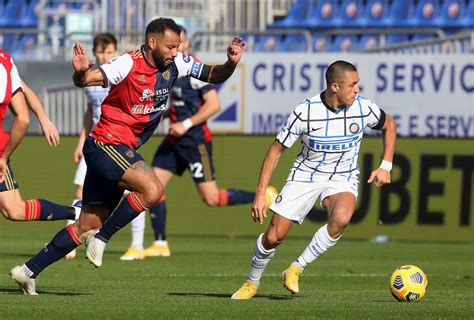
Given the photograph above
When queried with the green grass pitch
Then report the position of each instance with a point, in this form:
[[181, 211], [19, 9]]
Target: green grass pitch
[[211, 251]]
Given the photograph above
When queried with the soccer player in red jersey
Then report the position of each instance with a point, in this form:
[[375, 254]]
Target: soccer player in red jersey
[[12, 93], [140, 85], [188, 145]]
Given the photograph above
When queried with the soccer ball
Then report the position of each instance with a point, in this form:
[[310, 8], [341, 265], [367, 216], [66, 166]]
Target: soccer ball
[[408, 283]]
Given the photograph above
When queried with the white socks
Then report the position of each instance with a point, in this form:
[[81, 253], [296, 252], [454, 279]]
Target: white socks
[[137, 227], [261, 257], [78, 212], [320, 243]]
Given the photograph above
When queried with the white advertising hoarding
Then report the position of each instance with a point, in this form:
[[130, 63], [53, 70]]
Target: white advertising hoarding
[[428, 95]]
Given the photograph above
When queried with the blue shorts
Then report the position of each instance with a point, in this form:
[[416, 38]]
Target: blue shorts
[[177, 158], [9, 183], [106, 165]]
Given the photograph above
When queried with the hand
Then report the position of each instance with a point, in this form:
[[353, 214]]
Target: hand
[[235, 50], [259, 208], [177, 129], [78, 154], [380, 176], [3, 169], [80, 61], [50, 133]]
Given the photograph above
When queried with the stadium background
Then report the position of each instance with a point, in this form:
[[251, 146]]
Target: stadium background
[[415, 60]]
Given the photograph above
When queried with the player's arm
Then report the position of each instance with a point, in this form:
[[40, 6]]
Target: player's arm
[[210, 106], [20, 124], [86, 128], [259, 205], [381, 175], [83, 75], [49, 129], [220, 73]]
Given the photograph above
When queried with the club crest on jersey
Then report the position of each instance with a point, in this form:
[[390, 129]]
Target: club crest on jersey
[[354, 127], [147, 95], [129, 154], [166, 74]]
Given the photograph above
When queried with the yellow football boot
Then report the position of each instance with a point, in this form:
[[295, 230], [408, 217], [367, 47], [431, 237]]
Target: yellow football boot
[[133, 254], [290, 278], [271, 193], [246, 292], [158, 250]]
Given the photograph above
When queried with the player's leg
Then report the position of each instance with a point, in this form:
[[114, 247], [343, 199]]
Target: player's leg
[[78, 182], [62, 243], [263, 252], [137, 228], [340, 207], [135, 175], [292, 205], [201, 167], [100, 198], [160, 246], [14, 208]]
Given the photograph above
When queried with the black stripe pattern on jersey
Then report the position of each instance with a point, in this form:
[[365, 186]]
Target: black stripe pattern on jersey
[[381, 120], [297, 117]]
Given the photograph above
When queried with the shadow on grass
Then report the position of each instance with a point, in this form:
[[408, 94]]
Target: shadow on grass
[[227, 296], [17, 291]]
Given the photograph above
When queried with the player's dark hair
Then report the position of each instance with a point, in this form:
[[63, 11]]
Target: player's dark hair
[[160, 25], [103, 40], [183, 29], [336, 71]]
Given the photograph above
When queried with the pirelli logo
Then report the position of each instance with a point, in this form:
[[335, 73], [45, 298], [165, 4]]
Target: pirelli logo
[[196, 69]]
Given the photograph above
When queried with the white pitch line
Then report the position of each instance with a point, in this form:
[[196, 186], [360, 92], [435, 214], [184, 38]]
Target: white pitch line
[[223, 275]]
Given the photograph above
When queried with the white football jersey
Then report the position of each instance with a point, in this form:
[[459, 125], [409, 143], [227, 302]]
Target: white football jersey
[[331, 140], [95, 96]]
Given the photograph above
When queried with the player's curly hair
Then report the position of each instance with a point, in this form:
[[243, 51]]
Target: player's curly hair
[[160, 25], [336, 71]]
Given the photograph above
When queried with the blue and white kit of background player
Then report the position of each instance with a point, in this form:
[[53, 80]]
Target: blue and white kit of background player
[[94, 97], [327, 163]]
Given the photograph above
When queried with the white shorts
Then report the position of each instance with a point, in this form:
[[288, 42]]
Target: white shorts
[[80, 173], [297, 198]]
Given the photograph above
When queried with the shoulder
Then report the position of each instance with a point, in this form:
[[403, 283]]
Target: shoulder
[[365, 102]]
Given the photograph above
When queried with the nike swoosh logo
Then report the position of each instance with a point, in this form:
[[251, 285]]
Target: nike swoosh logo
[[313, 129]]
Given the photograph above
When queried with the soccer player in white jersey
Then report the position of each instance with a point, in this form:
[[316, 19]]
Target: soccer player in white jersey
[[331, 126], [104, 48]]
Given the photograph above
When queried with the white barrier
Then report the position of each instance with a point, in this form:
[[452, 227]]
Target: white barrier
[[429, 95]]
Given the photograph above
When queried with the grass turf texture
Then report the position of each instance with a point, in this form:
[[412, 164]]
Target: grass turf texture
[[211, 251]]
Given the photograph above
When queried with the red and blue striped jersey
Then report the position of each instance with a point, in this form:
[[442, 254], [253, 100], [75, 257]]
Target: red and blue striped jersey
[[137, 98]]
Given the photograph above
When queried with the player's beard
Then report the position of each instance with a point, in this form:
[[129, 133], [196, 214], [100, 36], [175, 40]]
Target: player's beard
[[159, 60]]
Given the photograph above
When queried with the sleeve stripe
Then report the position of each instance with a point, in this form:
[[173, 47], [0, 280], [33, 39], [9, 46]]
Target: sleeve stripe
[[381, 122], [17, 90], [289, 128], [106, 80]]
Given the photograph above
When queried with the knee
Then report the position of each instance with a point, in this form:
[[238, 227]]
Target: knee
[[152, 194], [212, 200], [339, 220], [14, 211], [272, 239]]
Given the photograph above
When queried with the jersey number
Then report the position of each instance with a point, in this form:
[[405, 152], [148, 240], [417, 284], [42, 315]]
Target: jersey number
[[196, 170]]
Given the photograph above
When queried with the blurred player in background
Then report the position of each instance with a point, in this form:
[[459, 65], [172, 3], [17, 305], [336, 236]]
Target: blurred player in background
[[104, 48], [188, 145], [140, 85], [12, 93], [331, 126]]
